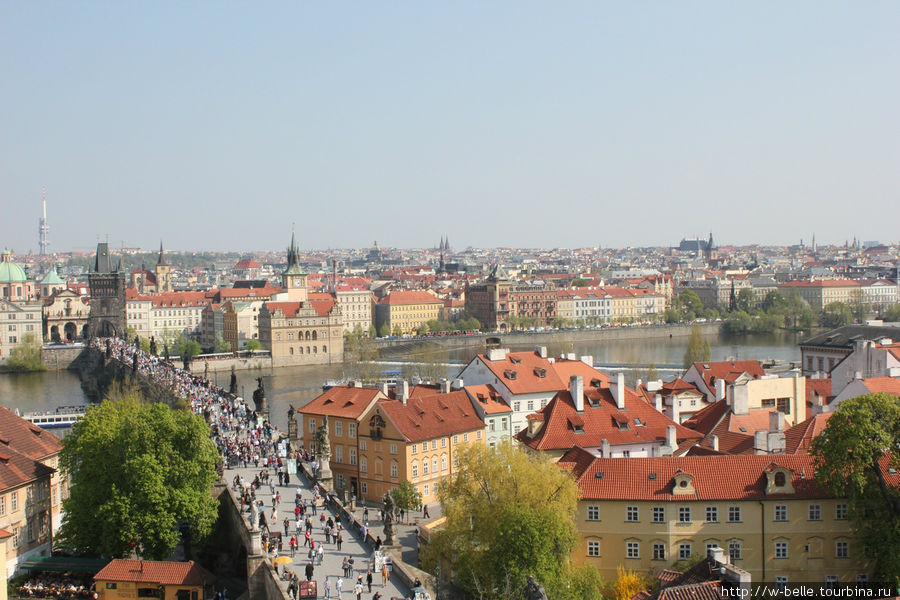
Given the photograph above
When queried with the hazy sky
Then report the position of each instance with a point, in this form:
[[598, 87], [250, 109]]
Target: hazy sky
[[214, 125]]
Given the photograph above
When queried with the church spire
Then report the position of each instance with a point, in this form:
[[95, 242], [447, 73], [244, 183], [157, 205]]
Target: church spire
[[161, 261]]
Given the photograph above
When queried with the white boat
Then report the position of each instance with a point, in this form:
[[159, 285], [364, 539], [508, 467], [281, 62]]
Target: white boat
[[65, 416]]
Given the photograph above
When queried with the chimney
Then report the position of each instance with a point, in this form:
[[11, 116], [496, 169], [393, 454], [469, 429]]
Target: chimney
[[761, 442], [620, 390], [676, 410], [714, 442], [604, 448], [403, 391], [356, 384], [671, 439], [541, 351], [657, 400], [576, 390], [588, 359], [638, 382], [445, 386], [720, 389], [776, 421], [857, 375], [570, 356], [457, 384], [718, 555], [497, 354], [383, 386]]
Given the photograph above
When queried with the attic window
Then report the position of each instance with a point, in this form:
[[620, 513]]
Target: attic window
[[540, 372], [706, 366], [652, 476], [621, 421], [597, 383], [515, 361], [594, 402], [743, 429], [509, 374], [598, 475], [637, 422]]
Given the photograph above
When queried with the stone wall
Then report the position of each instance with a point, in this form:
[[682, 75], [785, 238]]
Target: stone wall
[[60, 357]]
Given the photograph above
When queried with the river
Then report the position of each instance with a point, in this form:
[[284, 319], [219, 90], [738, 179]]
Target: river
[[297, 385]]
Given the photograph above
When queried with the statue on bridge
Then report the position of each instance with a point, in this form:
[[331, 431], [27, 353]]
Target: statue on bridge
[[323, 451], [534, 590], [153, 345], [259, 398], [388, 511]]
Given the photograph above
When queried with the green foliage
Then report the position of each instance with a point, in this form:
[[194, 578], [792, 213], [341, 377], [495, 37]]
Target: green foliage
[[222, 345], [893, 313], [690, 301], [26, 356], [509, 515], [138, 471], [406, 496], [697, 348], [686, 563], [652, 373], [581, 283], [396, 331], [183, 346], [775, 302], [835, 314], [746, 300], [628, 583], [852, 456], [384, 331], [361, 354], [252, 345], [130, 333]]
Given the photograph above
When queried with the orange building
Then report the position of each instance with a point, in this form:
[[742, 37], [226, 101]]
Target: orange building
[[163, 579]]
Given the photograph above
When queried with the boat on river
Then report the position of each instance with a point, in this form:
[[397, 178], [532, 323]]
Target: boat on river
[[64, 416]]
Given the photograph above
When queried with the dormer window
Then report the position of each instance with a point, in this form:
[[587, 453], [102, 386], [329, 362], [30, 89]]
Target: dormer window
[[779, 480], [683, 484]]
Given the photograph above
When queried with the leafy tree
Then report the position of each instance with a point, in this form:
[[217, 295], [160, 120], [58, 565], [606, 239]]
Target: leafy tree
[[396, 331], [138, 472], [222, 345], [384, 331], [697, 348], [628, 583], [372, 332], [406, 496], [893, 313], [27, 355], [852, 455], [775, 301], [858, 306], [652, 373], [130, 333], [836, 314], [252, 345], [690, 301], [509, 515], [746, 300], [184, 346], [581, 283]]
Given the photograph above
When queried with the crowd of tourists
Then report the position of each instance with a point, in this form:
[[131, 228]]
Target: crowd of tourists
[[63, 587]]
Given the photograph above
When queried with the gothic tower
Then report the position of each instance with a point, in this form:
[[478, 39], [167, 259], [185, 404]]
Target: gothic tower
[[107, 315], [162, 269], [294, 279]]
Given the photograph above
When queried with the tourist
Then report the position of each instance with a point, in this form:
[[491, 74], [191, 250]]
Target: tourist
[[385, 574], [358, 590], [369, 579], [309, 571]]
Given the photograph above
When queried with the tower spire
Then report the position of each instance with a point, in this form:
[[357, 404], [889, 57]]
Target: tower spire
[[43, 227]]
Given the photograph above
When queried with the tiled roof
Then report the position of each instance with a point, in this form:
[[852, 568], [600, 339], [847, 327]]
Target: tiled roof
[[798, 438], [342, 401], [489, 399], [155, 571], [883, 385], [245, 263], [429, 417], [821, 283], [729, 370], [846, 336], [740, 477], [172, 299], [527, 372], [564, 427], [17, 469], [27, 439], [678, 386], [321, 303]]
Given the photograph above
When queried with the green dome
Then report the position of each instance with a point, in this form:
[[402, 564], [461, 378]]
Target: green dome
[[10, 272], [52, 278]]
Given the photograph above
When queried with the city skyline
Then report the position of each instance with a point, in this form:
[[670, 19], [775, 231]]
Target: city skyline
[[621, 125]]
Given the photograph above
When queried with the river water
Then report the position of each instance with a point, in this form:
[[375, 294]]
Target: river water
[[298, 385]]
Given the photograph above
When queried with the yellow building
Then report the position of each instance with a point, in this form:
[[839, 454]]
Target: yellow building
[[415, 439], [165, 580], [766, 511], [344, 406], [407, 311]]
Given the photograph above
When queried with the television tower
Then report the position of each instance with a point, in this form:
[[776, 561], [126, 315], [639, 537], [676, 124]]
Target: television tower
[[43, 228]]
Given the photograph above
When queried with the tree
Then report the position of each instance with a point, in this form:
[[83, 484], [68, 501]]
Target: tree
[[222, 345], [628, 583], [138, 472], [746, 300], [396, 331], [384, 331], [852, 457], [690, 301], [652, 373], [697, 348], [406, 496], [26, 356], [509, 515], [252, 345], [775, 301], [836, 314]]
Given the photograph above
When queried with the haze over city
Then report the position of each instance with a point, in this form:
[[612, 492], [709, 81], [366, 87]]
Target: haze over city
[[214, 126]]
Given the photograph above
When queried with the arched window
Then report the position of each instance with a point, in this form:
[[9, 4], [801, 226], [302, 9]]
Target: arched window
[[443, 462], [291, 350], [434, 464], [425, 466], [779, 478], [314, 334], [315, 349], [415, 468], [301, 349], [307, 350], [324, 349]]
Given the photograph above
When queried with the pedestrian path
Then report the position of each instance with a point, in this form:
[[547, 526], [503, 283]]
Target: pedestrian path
[[331, 563]]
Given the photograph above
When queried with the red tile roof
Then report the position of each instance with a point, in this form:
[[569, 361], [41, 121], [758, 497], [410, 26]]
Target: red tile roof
[[155, 571], [245, 263], [527, 372], [434, 416], [739, 477], [21, 436], [822, 283], [728, 370], [412, 297], [601, 419], [342, 401], [489, 399], [798, 438], [17, 469], [883, 385], [321, 303]]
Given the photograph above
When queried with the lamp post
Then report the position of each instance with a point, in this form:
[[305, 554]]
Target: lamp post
[[437, 582]]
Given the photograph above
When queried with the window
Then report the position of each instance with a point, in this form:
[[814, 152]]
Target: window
[[415, 448], [631, 513], [684, 551], [363, 465], [393, 448], [517, 406], [815, 512], [632, 550], [659, 551], [831, 581], [425, 467], [110, 586], [478, 435], [14, 501], [312, 425], [593, 548], [443, 462], [434, 465], [364, 487], [712, 514], [2, 505], [351, 430], [338, 429], [455, 461], [339, 454], [492, 426], [862, 578], [781, 582], [455, 439], [783, 405], [465, 437], [781, 512], [443, 442], [503, 420], [394, 469], [362, 446], [781, 550], [734, 550], [842, 549], [424, 446], [659, 514], [840, 511], [434, 444], [16, 536], [531, 405], [352, 456], [593, 512], [734, 514], [684, 514], [425, 490], [780, 478], [415, 468]]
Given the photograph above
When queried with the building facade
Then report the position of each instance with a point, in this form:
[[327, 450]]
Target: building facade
[[107, 315], [406, 312]]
